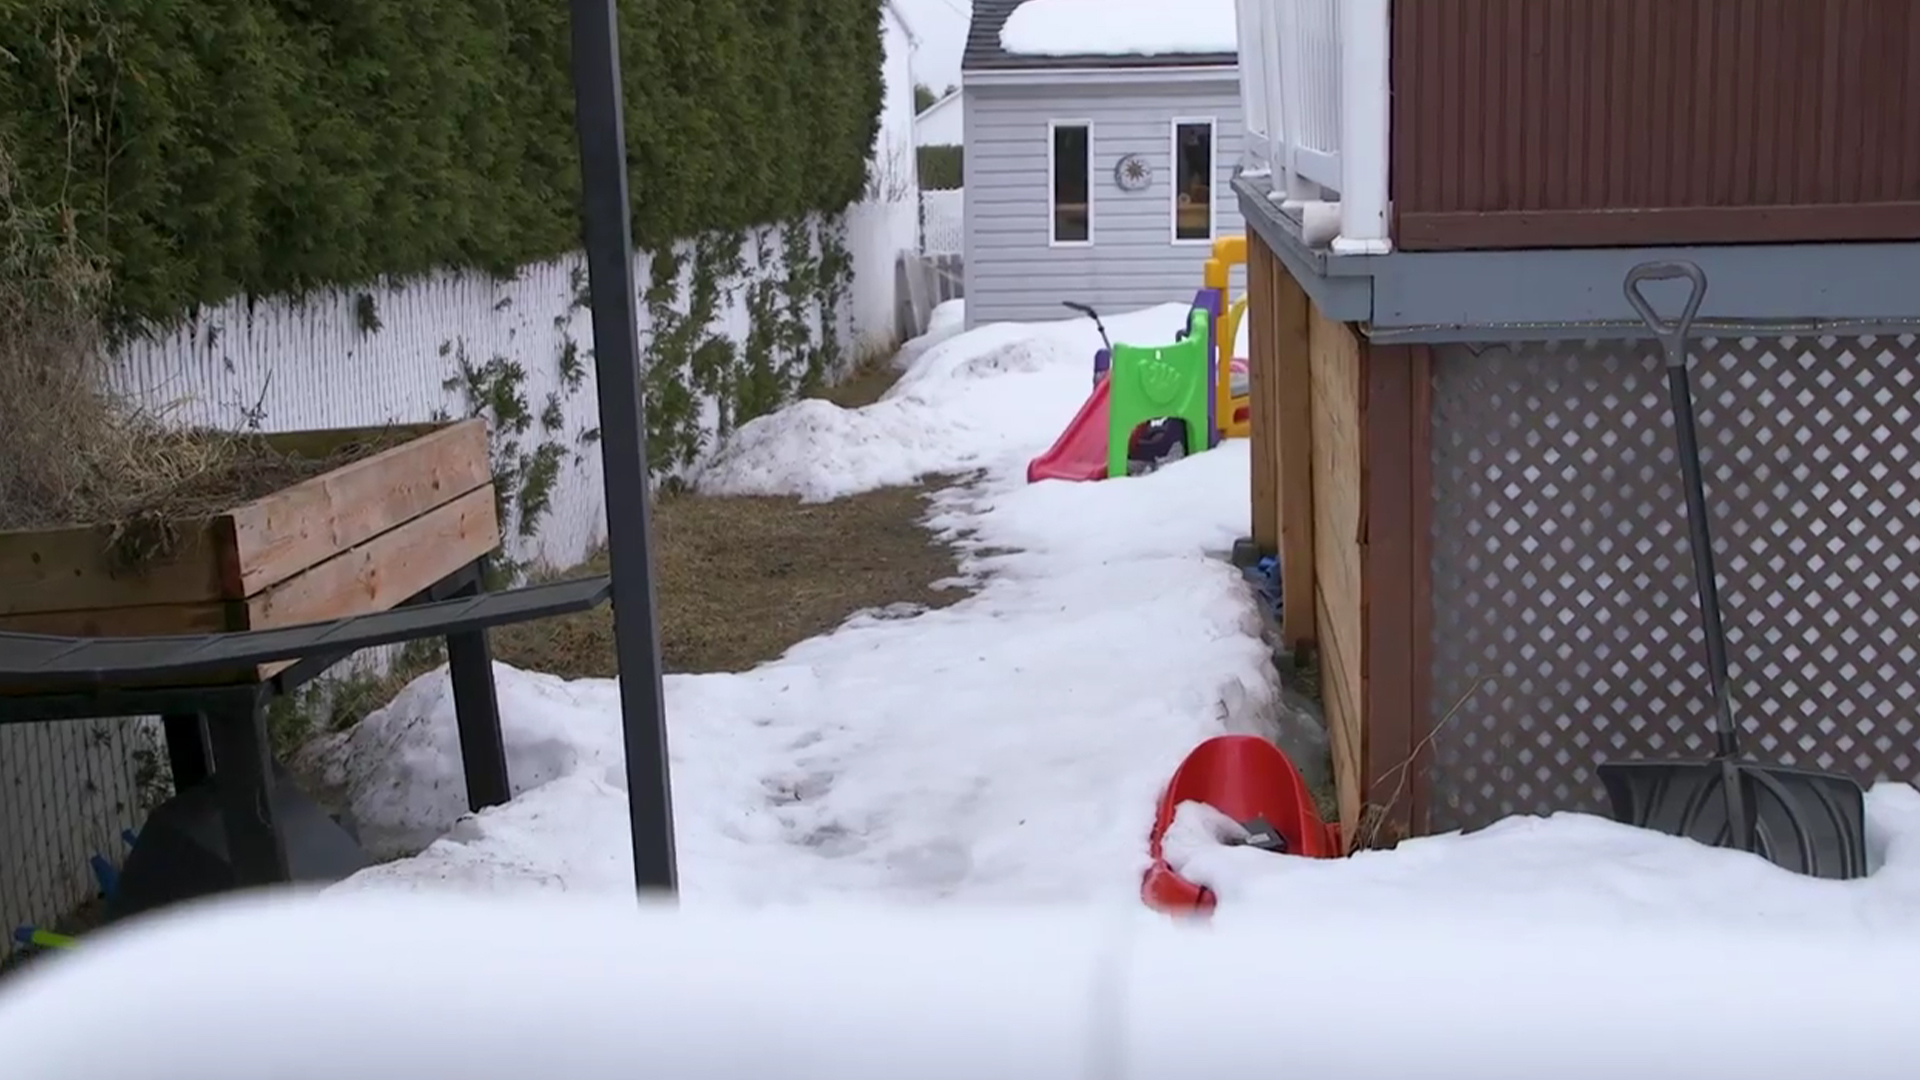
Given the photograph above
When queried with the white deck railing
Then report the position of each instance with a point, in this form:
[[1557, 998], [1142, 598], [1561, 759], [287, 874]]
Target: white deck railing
[[1314, 89]]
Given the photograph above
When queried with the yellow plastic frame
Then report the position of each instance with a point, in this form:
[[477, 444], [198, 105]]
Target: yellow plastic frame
[[1228, 252]]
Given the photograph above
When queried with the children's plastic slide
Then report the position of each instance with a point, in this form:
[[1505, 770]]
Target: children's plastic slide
[[1080, 453]]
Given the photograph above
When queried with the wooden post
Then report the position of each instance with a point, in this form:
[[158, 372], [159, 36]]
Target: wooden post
[[1293, 406], [1338, 484], [1281, 388], [1392, 512], [1263, 375]]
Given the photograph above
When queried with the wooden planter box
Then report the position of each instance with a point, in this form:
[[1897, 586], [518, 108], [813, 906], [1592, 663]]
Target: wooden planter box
[[358, 539]]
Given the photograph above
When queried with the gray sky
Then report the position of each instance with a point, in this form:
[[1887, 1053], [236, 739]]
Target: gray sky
[[942, 26]]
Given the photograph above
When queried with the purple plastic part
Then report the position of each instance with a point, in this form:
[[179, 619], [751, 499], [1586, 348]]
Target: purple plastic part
[[1102, 361], [1211, 301], [1156, 441]]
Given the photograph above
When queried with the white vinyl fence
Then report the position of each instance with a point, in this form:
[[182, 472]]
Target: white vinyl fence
[[68, 790]]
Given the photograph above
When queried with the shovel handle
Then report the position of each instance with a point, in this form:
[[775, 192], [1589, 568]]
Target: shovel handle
[[1672, 333]]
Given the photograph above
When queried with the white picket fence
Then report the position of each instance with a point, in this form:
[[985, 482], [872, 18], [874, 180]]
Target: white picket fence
[[68, 790]]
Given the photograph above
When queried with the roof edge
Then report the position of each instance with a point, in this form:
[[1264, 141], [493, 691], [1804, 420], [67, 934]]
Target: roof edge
[[940, 101], [1090, 61], [1144, 75]]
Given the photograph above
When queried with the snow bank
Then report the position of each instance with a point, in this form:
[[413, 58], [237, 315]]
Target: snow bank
[[1567, 870], [988, 398], [399, 988]]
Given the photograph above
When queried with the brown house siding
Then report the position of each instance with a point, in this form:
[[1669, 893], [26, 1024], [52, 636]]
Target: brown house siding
[[1588, 123]]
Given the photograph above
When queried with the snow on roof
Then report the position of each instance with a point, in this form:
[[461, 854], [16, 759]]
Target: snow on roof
[[1120, 28]]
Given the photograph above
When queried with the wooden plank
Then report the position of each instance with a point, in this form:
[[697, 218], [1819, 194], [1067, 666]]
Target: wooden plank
[[1343, 735], [1386, 567], [265, 541], [387, 569], [1334, 370], [205, 618], [75, 570], [1263, 439], [282, 534], [1292, 405], [325, 442]]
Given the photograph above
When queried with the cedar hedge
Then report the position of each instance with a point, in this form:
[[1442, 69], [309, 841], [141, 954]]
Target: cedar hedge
[[942, 167], [215, 148]]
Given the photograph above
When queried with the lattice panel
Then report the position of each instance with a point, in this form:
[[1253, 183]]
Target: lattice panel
[[67, 789], [1564, 612]]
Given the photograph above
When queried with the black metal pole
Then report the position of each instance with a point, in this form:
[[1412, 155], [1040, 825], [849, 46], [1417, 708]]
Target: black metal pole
[[623, 437]]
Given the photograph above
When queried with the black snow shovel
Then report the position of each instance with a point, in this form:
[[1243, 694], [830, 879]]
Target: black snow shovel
[[1808, 822]]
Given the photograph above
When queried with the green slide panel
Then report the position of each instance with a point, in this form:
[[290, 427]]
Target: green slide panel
[[1150, 382]]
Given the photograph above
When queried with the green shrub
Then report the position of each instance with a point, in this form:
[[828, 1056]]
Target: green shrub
[[942, 168], [208, 149]]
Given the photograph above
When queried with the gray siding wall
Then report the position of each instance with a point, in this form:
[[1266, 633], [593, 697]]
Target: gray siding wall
[[1012, 274]]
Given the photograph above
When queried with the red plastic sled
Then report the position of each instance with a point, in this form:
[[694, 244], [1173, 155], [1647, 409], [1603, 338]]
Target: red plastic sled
[[1243, 777]]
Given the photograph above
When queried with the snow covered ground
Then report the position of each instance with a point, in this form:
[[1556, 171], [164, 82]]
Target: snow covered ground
[[1567, 871], [1011, 747], [390, 986]]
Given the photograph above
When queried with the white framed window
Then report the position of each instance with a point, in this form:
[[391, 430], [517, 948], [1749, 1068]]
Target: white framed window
[[1195, 175], [1069, 183]]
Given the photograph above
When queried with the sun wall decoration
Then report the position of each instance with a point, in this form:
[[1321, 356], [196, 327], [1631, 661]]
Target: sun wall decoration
[[1132, 173]]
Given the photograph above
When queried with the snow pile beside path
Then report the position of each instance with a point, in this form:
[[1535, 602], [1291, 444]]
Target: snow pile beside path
[[989, 398], [1563, 870], [949, 317]]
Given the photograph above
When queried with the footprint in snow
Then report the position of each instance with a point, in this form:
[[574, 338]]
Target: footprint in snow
[[785, 790], [938, 865]]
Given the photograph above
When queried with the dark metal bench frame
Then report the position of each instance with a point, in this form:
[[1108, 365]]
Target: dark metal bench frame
[[223, 728]]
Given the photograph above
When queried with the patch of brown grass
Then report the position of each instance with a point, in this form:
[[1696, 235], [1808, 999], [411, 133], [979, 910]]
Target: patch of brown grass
[[870, 379], [742, 580], [1303, 677]]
